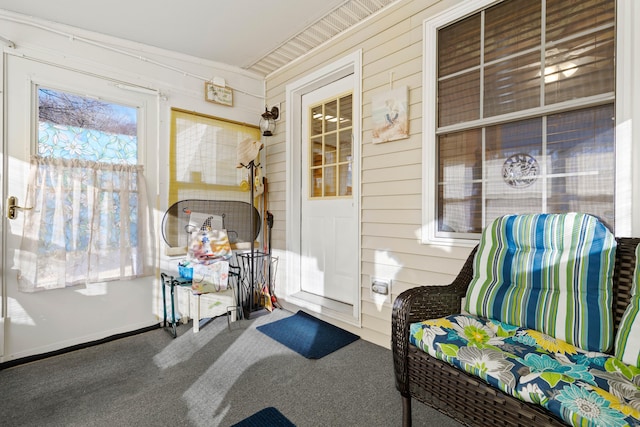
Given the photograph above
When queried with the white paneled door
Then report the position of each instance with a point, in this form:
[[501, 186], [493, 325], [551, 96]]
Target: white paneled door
[[329, 217], [40, 322]]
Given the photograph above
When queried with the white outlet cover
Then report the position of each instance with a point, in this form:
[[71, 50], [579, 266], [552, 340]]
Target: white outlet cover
[[377, 297]]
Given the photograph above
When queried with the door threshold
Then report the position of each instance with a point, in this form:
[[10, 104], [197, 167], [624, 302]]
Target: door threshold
[[325, 306]]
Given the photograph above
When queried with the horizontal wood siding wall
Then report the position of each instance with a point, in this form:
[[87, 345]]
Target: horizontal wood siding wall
[[391, 173]]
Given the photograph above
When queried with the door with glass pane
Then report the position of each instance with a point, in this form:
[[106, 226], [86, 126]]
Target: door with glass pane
[[47, 320], [329, 223]]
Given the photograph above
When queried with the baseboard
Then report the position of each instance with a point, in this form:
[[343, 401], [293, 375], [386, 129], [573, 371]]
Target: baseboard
[[33, 358]]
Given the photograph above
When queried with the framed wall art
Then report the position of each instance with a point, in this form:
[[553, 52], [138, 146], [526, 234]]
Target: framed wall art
[[218, 94], [390, 115]]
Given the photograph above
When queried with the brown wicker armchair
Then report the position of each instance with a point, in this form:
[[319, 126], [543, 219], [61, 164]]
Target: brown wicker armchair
[[457, 394]]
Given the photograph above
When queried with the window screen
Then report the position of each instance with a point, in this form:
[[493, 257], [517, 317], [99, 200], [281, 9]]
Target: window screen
[[203, 157]]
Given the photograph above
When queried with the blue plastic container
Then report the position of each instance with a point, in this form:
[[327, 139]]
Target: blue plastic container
[[185, 272]]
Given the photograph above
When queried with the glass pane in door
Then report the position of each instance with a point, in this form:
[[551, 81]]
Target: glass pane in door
[[77, 127], [331, 147]]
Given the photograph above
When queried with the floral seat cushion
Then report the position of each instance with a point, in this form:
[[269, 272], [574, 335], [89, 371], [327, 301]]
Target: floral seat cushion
[[582, 388]]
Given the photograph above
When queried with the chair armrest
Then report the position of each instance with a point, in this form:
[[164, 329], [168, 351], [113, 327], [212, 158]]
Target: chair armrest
[[423, 303]]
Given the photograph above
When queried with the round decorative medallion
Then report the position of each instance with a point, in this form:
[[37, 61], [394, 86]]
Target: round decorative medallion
[[520, 170]]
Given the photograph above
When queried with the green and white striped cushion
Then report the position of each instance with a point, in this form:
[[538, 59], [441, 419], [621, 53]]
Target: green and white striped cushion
[[548, 272], [627, 346]]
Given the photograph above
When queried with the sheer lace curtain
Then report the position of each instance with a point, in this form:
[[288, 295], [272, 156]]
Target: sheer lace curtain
[[89, 223]]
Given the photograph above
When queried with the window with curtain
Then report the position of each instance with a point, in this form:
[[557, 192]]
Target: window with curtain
[[88, 219], [524, 113]]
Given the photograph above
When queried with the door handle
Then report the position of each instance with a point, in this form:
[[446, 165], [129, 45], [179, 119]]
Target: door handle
[[13, 208]]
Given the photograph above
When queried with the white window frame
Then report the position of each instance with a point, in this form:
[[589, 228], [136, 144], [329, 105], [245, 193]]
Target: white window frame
[[624, 178]]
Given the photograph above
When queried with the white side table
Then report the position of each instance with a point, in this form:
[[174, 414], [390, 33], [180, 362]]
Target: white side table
[[213, 304]]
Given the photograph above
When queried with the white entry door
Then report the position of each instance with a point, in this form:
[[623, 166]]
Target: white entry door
[[329, 216], [39, 322]]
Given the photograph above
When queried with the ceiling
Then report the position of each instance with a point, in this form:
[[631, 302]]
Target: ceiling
[[254, 35]]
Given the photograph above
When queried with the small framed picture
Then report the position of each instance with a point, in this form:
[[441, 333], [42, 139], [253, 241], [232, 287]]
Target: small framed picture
[[218, 94], [390, 115]]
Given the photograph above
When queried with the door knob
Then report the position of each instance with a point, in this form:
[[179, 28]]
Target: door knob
[[13, 208]]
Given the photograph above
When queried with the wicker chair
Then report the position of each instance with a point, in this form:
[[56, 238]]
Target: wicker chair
[[457, 394]]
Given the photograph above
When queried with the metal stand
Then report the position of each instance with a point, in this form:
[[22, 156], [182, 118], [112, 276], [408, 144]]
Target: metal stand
[[251, 259], [252, 283], [171, 326]]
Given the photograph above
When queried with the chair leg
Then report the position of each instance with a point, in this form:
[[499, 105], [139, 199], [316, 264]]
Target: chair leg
[[196, 319], [174, 327], [406, 411], [164, 301]]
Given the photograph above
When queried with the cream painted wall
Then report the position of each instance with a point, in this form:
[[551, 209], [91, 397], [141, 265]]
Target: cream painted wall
[[125, 306], [391, 192]]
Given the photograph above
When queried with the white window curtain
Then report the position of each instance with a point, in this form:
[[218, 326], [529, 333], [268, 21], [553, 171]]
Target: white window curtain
[[89, 222]]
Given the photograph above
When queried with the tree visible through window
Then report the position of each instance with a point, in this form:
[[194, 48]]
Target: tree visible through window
[[89, 218], [77, 127], [525, 113]]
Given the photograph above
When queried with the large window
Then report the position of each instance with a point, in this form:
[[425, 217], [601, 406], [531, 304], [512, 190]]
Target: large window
[[524, 113]]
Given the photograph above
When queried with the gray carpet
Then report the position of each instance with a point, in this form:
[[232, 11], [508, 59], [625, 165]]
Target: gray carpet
[[216, 377]]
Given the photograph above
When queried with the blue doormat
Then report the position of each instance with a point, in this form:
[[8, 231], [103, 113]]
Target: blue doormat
[[311, 337], [268, 417]]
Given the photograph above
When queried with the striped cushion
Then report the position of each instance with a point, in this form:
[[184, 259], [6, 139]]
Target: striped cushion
[[548, 272], [627, 346]]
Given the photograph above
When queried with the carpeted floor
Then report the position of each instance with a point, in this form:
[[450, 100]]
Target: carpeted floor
[[216, 377]]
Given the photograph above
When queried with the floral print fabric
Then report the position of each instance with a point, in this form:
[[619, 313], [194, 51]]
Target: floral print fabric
[[582, 388], [70, 142]]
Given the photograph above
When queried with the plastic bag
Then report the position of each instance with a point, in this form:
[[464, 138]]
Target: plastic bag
[[207, 246], [208, 254], [210, 277]]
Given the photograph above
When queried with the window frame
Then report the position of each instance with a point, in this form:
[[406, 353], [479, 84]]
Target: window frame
[[227, 191], [337, 162], [429, 141], [133, 166]]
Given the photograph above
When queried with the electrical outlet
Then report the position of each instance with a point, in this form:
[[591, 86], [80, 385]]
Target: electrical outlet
[[381, 289]]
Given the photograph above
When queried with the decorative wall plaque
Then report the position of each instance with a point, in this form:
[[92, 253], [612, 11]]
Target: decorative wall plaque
[[520, 170], [218, 94]]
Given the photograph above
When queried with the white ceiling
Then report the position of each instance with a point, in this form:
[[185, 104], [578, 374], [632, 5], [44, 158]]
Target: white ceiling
[[260, 36]]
